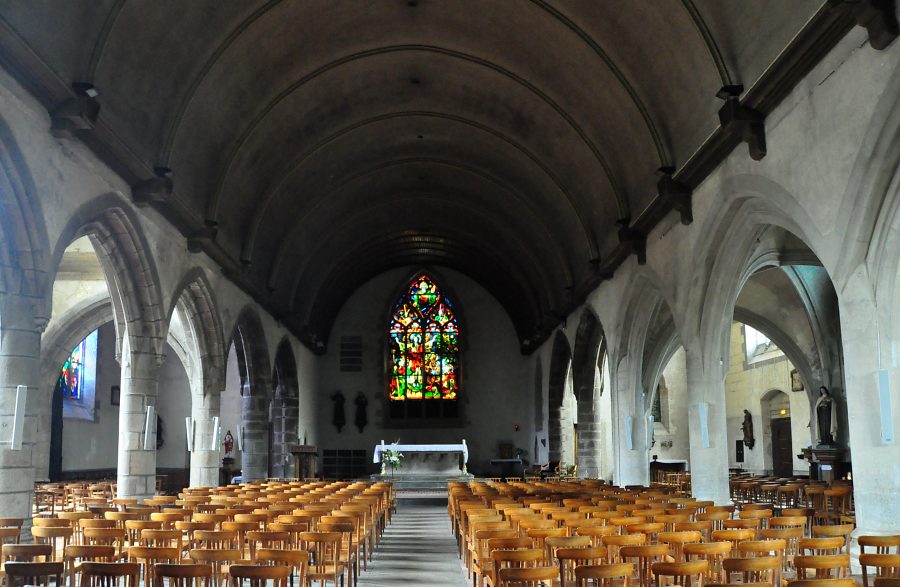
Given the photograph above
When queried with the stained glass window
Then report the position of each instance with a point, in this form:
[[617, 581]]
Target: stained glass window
[[424, 342], [78, 370]]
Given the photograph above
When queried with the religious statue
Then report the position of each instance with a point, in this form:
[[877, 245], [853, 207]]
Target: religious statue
[[747, 427], [228, 443], [361, 419], [337, 417], [826, 418]]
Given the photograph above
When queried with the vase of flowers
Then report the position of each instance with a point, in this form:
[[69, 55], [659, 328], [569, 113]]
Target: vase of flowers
[[391, 458]]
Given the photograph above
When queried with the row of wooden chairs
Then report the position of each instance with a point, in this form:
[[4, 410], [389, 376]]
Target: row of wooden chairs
[[591, 524]]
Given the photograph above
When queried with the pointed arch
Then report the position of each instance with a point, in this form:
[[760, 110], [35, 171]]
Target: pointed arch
[[255, 374], [560, 363], [284, 410]]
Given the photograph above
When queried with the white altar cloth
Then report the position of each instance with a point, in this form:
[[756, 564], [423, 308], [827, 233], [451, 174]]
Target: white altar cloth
[[461, 448]]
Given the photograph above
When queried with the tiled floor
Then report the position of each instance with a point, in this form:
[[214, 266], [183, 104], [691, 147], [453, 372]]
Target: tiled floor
[[417, 549]]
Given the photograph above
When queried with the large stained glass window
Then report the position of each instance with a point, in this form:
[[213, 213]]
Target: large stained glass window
[[424, 343]]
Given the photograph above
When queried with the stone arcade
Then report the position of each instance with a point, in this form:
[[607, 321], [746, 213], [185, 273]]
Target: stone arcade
[[681, 210]]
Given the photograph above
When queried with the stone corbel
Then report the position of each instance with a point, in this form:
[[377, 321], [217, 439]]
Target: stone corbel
[[743, 121], [675, 194], [878, 17], [633, 240], [204, 236], [77, 113], [154, 190]]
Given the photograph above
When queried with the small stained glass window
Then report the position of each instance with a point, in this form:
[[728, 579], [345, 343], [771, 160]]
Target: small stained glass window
[[79, 369], [424, 344]]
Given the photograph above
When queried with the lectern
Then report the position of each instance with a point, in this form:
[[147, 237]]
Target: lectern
[[305, 457]]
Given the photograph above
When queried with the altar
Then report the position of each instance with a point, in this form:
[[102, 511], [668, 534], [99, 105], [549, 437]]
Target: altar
[[426, 460]]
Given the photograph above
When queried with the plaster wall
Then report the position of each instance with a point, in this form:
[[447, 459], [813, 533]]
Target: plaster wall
[[675, 428], [94, 445], [496, 389], [230, 418], [748, 387]]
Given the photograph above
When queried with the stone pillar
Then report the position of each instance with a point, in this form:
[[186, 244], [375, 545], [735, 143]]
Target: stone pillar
[[554, 433], [632, 464], [20, 352], [205, 460], [255, 426], [709, 464], [590, 439], [136, 466], [284, 415], [876, 472]]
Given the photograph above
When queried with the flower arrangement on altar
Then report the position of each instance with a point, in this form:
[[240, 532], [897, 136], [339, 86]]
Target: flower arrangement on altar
[[391, 457]]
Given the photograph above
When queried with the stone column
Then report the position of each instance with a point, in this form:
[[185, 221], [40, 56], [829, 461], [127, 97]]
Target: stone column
[[255, 426], [632, 466], [205, 460], [284, 415], [590, 439], [136, 466], [554, 433], [20, 352], [709, 464]]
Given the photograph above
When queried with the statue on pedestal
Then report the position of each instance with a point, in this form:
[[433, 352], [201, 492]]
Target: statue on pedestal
[[826, 418], [747, 427]]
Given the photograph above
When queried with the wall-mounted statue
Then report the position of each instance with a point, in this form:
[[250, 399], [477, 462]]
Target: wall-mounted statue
[[826, 418], [337, 416], [747, 427], [361, 418]]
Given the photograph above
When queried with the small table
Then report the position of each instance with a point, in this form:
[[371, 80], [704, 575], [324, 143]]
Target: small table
[[305, 457]]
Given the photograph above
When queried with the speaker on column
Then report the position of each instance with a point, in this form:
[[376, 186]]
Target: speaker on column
[[18, 430], [189, 433], [629, 439], [216, 432], [703, 415], [149, 425]]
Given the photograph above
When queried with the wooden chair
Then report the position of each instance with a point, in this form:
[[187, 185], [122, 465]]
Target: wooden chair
[[820, 546], [9, 535], [56, 536], [686, 574], [508, 559], [297, 560], [148, 556], [760, 569], [881, 544], [218, 561], [481, 560], [20, 574], [616, 542], [823, 583], [219, 539], [259, 575], [596, 533], [677, 540], [568, 559], [644, 558], [733, 536], [712, 552], [100, 574], [325, 548], [527, 576], [114, 537], [28, 553], [842, 530], [78, 553], [835, 566], [887, 566], [604, 575]]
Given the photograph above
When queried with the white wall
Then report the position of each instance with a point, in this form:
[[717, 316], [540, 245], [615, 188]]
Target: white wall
[[230, 418], [676, 410], [497, 383], [94, 445], [746, 387], [173, 405]]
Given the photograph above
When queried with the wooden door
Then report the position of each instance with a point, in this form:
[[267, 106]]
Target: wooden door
[[782, 450]]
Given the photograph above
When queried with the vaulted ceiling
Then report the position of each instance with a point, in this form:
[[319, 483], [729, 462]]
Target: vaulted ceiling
[[314, 144]]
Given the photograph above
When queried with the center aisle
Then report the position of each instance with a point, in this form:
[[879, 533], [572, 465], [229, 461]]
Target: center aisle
[[418, 548]]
